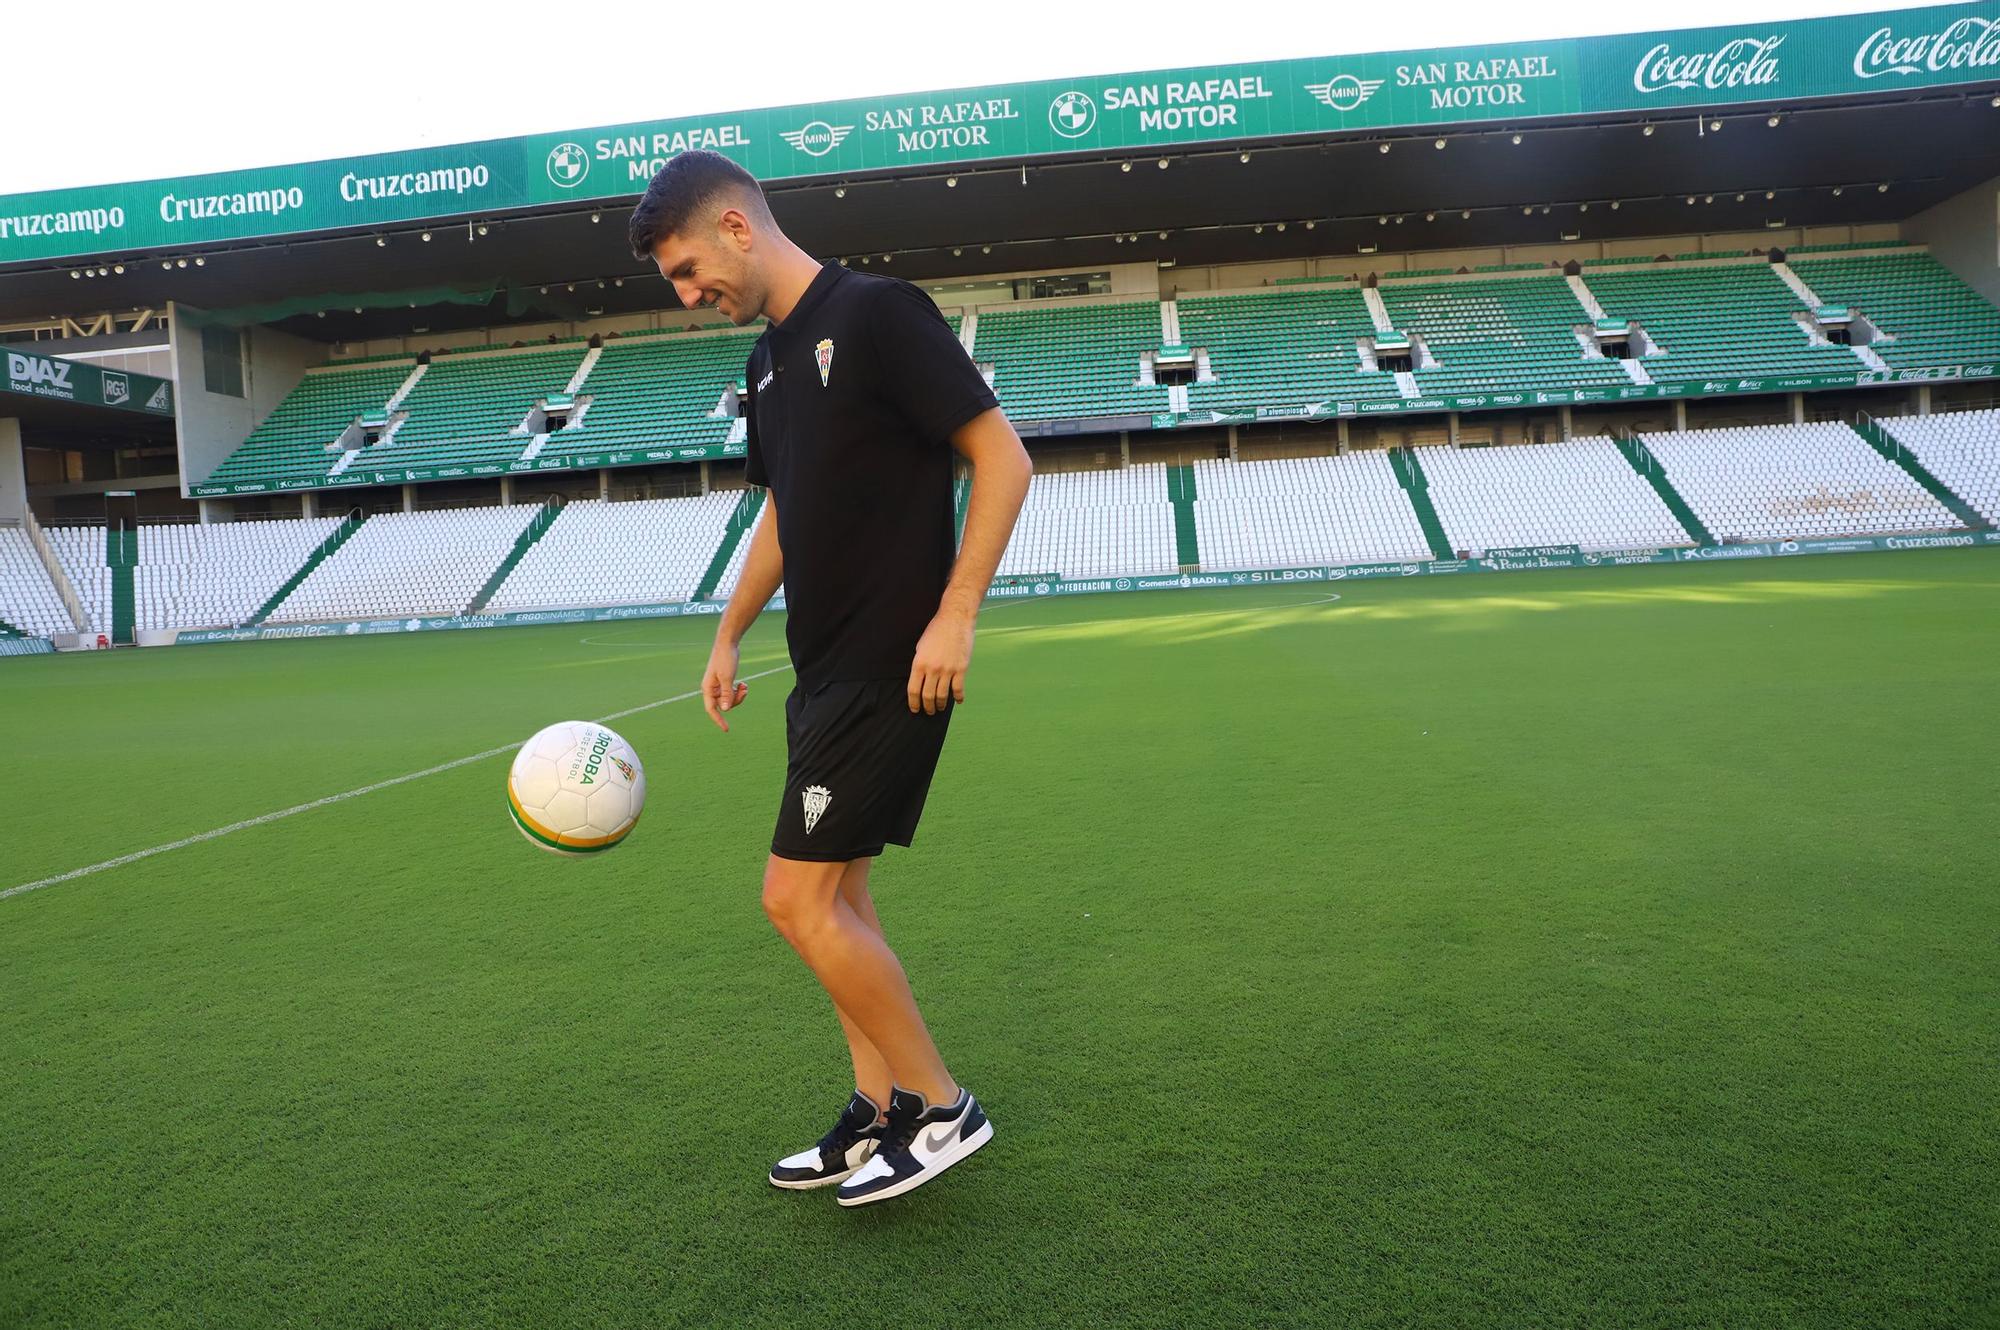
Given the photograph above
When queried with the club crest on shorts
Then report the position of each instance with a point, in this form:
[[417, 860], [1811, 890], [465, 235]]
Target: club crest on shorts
[[816, 797], [823, 353]]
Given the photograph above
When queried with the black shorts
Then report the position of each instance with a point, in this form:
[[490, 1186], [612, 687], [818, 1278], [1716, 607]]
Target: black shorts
[[858, 769]]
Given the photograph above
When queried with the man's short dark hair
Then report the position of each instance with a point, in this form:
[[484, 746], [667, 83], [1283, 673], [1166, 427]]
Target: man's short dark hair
[[688, 188]]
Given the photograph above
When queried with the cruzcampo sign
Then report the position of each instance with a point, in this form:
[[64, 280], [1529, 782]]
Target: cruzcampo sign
[[1886, 53], [32, 374]]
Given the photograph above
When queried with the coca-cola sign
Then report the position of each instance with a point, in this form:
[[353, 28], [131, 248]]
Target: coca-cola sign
[[1747, 62], [1970, 43]]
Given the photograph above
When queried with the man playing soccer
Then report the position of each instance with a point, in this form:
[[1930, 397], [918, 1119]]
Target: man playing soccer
[[859, 393]]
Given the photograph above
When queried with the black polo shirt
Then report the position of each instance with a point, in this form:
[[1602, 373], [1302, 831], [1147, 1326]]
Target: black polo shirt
[[853, 400]]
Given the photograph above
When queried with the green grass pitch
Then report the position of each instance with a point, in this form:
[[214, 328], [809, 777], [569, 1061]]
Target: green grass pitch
[[1614, 947]]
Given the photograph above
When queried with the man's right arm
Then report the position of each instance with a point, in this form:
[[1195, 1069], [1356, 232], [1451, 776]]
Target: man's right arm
[[763, 573]]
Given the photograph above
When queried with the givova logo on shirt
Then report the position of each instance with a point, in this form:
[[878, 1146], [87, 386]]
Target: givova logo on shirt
[[823, 354]]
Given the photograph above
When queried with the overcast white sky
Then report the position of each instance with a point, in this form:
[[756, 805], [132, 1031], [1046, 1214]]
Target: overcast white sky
[[110, 90]]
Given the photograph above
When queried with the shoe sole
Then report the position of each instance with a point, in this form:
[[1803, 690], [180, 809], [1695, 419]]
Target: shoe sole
[[958, 1152], [811, 1184]]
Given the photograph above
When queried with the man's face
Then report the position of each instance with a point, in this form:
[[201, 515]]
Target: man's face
[[714, 267]]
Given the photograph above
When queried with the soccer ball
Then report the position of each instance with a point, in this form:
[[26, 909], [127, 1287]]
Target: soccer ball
[[576, 788]]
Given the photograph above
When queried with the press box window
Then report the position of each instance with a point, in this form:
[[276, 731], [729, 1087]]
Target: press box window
[[222, 361]]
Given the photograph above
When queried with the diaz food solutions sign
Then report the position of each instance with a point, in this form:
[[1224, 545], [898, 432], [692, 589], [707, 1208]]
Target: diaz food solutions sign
[[1708, 67]]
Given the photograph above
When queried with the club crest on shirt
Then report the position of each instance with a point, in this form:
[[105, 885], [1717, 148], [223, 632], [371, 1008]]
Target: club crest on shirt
[[823, 353]]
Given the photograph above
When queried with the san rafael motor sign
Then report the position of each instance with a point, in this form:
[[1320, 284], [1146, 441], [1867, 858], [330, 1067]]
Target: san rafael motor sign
[[1845, 55], [31, 374]]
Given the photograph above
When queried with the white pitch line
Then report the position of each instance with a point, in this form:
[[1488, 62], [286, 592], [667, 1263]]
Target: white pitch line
[[296, 809]]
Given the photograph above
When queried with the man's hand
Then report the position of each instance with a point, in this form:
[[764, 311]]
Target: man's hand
[[719, 687], [944, 653]]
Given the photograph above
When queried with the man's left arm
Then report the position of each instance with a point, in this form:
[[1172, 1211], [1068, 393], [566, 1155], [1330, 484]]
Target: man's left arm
[[1000, 474]]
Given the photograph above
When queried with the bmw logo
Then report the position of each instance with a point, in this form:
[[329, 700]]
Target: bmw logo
[[1073, 114], [568, 165]]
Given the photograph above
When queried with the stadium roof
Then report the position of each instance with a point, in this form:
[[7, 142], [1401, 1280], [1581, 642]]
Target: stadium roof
[[1540, 140]]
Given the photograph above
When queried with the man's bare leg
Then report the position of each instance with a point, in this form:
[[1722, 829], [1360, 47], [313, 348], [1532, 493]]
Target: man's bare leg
[[871, 1069], [857, 969]]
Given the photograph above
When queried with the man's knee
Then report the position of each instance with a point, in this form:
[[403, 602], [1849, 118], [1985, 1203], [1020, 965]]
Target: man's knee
[[799, 896]]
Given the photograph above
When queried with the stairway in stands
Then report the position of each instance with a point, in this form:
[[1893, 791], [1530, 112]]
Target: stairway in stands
[[1648, 466], [319, 556], [740, 523], [1886, 444], [1410, 474], [1181, 493], [538, 526]]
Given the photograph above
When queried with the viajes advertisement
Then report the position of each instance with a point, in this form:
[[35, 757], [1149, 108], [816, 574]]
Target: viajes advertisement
[[1710, 67]]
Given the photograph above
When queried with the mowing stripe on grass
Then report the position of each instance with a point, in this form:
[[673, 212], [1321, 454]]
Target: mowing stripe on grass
[[296, 809]]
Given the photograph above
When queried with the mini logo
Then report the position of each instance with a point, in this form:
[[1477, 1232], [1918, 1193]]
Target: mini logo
[[160, 400], [1073, 114], [816, 139], [816, 798], [765, 382], [625, 767], [1344, 92], [117, 389], [568, 165], [1123, 584], [937, 1138], [412, 625], [1041, 588], [823, 355], [351, 629]]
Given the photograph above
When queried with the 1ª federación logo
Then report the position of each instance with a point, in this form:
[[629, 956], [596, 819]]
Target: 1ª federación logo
[[816, 139], [568, 165], [1344, 92], [1073, 114]]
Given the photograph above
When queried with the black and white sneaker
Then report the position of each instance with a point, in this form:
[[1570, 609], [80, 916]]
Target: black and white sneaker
[[842, 1150], [919, 1142]]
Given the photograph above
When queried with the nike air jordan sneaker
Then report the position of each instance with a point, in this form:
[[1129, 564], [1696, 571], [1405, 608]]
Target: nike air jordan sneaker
[[849, 1145], [919, 1141]]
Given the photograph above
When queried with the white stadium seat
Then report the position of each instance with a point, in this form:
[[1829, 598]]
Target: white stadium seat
[[1779, 482], [28, 599], [1961, 449]]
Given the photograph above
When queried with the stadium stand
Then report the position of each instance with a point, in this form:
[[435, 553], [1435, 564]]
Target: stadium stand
[[1777, 482], [1511, 327], [662, 391], [1280, 348], [1494, 336], [80, 550], [1931, 316], [1962, 449], [1304, 510], [1579, 492], [1718, 318], [649, 551], [725, 585], [29, 602], [470, 408], [1094, 524], [292, 443], [408, 563], [210, 576], [1071, 361]]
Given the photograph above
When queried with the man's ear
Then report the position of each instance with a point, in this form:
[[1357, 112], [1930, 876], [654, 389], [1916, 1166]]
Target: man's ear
[[734, 228]]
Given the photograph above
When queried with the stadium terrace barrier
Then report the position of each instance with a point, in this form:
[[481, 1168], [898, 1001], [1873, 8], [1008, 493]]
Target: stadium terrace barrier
[[1845, 55], [1533, 397], [1523, 559], [407, 474]]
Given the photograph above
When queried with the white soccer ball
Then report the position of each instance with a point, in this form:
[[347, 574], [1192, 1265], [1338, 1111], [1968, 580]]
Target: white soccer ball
[[576, 788]]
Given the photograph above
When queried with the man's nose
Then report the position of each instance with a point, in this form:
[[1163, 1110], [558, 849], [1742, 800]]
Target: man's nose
[[689, 293]]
